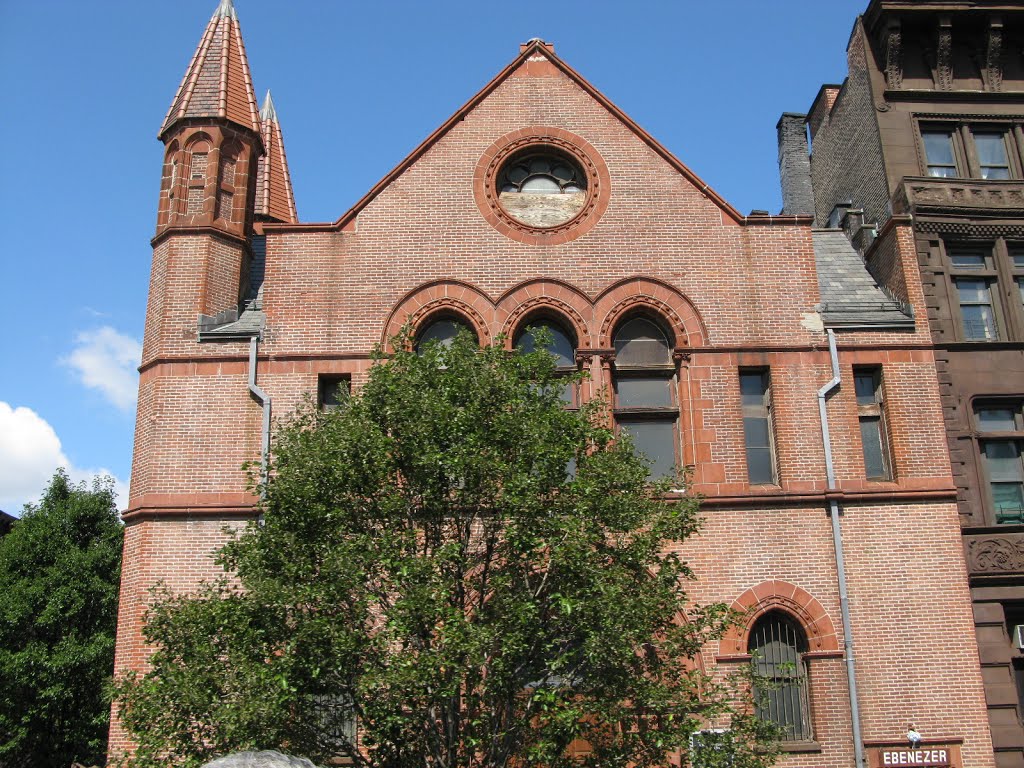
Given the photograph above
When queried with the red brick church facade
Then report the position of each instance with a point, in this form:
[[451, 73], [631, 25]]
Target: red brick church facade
[[539, 200]]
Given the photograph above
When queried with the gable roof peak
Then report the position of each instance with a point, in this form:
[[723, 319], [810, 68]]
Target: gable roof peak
[[536, 42]]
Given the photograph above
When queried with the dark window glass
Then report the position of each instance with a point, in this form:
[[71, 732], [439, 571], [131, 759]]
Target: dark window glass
[[334, 391], [656, 440], [938, 149], [992, 159], [976, 311], [641, 342], [777, 645], [1002, 439], [870, 413], [641, 391], [561, 345], [757, 426], [442, 331], [645, 404]]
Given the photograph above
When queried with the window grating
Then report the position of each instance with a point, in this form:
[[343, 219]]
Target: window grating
[[777, 645]]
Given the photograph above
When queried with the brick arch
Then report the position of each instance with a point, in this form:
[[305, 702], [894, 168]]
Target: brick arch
[[199, 138], [645, 294], [540, 297], [790, 599], [438, 297]]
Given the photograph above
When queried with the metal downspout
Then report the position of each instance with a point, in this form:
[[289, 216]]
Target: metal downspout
[[264, 399], [837, 540]]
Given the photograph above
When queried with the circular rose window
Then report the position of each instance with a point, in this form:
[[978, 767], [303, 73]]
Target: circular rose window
[[542, 189], [541, 185]]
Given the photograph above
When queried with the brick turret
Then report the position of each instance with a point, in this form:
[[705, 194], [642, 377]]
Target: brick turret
[[214, 141]]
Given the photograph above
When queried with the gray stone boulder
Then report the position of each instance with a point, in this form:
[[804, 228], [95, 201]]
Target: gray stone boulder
[[267, 758]]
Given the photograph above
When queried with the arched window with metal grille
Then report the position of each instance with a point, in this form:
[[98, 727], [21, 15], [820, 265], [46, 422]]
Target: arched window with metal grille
[[778, 644]]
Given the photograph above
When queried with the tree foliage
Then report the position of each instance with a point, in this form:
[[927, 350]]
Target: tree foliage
[[478, 575], [60, 567]]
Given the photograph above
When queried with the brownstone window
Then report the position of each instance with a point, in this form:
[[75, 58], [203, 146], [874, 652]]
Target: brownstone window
[[973, 273], [940, 153], [867, 383], [1017, 268], [1000, 427], [333, 391], [756, 397], [560, 344], [777, 644], [645, 403], [442, 330], [958, 149]]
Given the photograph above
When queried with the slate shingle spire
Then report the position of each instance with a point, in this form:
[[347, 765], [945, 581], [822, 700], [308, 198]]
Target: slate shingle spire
[[217, 82], [274, 199]]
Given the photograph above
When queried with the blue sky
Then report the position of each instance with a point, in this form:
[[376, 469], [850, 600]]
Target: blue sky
[[85, 86]]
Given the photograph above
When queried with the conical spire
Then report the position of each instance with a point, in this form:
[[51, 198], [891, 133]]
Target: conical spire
[[274, 198], [217, 83]]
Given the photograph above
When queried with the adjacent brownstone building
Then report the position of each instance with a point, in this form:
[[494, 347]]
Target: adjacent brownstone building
[[798, 382], [926, 132]]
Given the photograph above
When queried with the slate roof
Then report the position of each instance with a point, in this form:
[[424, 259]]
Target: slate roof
[[850, 296], [274, 199], [232, 325], [217, 82]]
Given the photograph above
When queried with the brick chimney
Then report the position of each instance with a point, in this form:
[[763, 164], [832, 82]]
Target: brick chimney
[[794, 164]]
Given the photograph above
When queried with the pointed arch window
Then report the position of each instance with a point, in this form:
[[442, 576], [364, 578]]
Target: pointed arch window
[[778, 644], [645, 386], [561, 344]]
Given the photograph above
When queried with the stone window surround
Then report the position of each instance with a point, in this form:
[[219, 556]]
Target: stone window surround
[[1004, 278], [962, 128]]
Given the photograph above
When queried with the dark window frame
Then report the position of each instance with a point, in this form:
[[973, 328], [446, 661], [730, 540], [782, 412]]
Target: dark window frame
[[987, 273], [439, 317], [668, 372], [872, 409], [327, 400], [962, 131], [985, 437], [764, 411], [786, 675]]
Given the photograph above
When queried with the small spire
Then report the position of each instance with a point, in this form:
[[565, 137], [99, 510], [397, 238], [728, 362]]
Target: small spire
[[267, 112], [226, 8]]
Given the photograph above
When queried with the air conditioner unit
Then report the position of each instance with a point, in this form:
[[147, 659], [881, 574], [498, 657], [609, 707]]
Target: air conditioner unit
[[1018, 637]]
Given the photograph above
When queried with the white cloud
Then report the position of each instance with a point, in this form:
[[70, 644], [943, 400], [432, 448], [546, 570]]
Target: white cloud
[[106, 360], [30, 452]]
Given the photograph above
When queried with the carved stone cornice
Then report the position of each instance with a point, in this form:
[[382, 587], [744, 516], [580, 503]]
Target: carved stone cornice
[[969, 197], [995, 554]]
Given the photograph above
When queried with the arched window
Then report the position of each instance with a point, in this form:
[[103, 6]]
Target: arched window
[[199, 156], [561, 345], [442, 330], [645, 384], [542, 188], [777, 644], [229, 154]]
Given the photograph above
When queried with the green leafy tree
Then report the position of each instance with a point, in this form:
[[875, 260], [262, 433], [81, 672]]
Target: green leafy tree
[[60, 567], [476, 575]]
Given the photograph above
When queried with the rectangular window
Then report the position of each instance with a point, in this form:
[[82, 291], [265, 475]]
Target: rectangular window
[[973, 273], [939, 153], [867, 383], [993, 161], [333, 391], [1001, 436], [755, 392], [1017, 266]]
